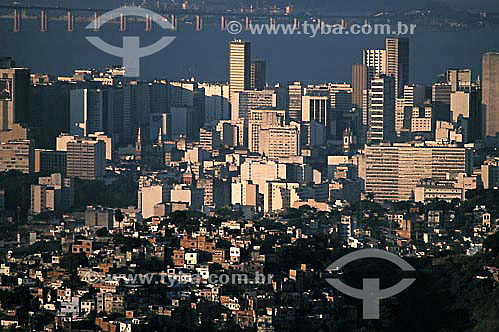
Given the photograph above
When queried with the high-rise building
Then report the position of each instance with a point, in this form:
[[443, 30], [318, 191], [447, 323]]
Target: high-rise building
[[14, 97], [394, 171], [86, 111], [466, 107], [53, 193], [375, 62], [459, 79], [414, 95], [49, 161], [280, 141], [244, 102], [397, 63], [295, 94], [217, 105], [317, 108], [86, 159], [258, 74], [441, 101], [240, 66], [490, 93], [258, 120], [359, 83], [381, 110]]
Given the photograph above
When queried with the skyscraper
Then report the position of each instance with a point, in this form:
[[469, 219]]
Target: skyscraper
[[86, 111], [359, 83], [490, 93], [258, 74], [240, 66], [14, 97], [381, 110], [375, 61], [295, 94], [397, 63]]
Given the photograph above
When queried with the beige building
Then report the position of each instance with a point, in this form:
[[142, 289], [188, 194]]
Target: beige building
[[18, 155], [394, 171], [490, 93], [244, 193], [258, 120], [239, 66], [86, 159], [277, 141], [52, 193], [280, 195]]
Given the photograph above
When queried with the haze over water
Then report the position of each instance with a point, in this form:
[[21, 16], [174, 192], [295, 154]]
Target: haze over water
[[204, 55]]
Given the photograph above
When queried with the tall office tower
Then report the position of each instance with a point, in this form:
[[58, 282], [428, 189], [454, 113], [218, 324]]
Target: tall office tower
[[459, 79], [466, 109], [397, 62], [376, 63], [341, 107], [216, 102], [394, 171], [263, 118], [258, 74], [50, 105], [280, 141], [86, 159], [359, 83], [113, 123], [441, 101], [240, 66], [295, 94], [188, 94], [381, 110], [86, 111], [244, 102], [14, 97], [490, 93], [414, 95], [316, 108]]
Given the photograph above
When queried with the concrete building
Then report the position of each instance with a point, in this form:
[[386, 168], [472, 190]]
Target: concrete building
[[394, 171], [86, 111], [381, 111], [86, 159], [459, 79], [49, 161], [216, 102], [397, 63], [280, 195], [239, 67], [258, 74], [317, 108], [150, 196], [376, 62], [259, 119], [244, 193], [429, 189], [280, 141], [99, 216], [295, 94], [244, 102], [186, 194], [53, 193], [14, 97], [489, 173], [17, 155], [490, 93]]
